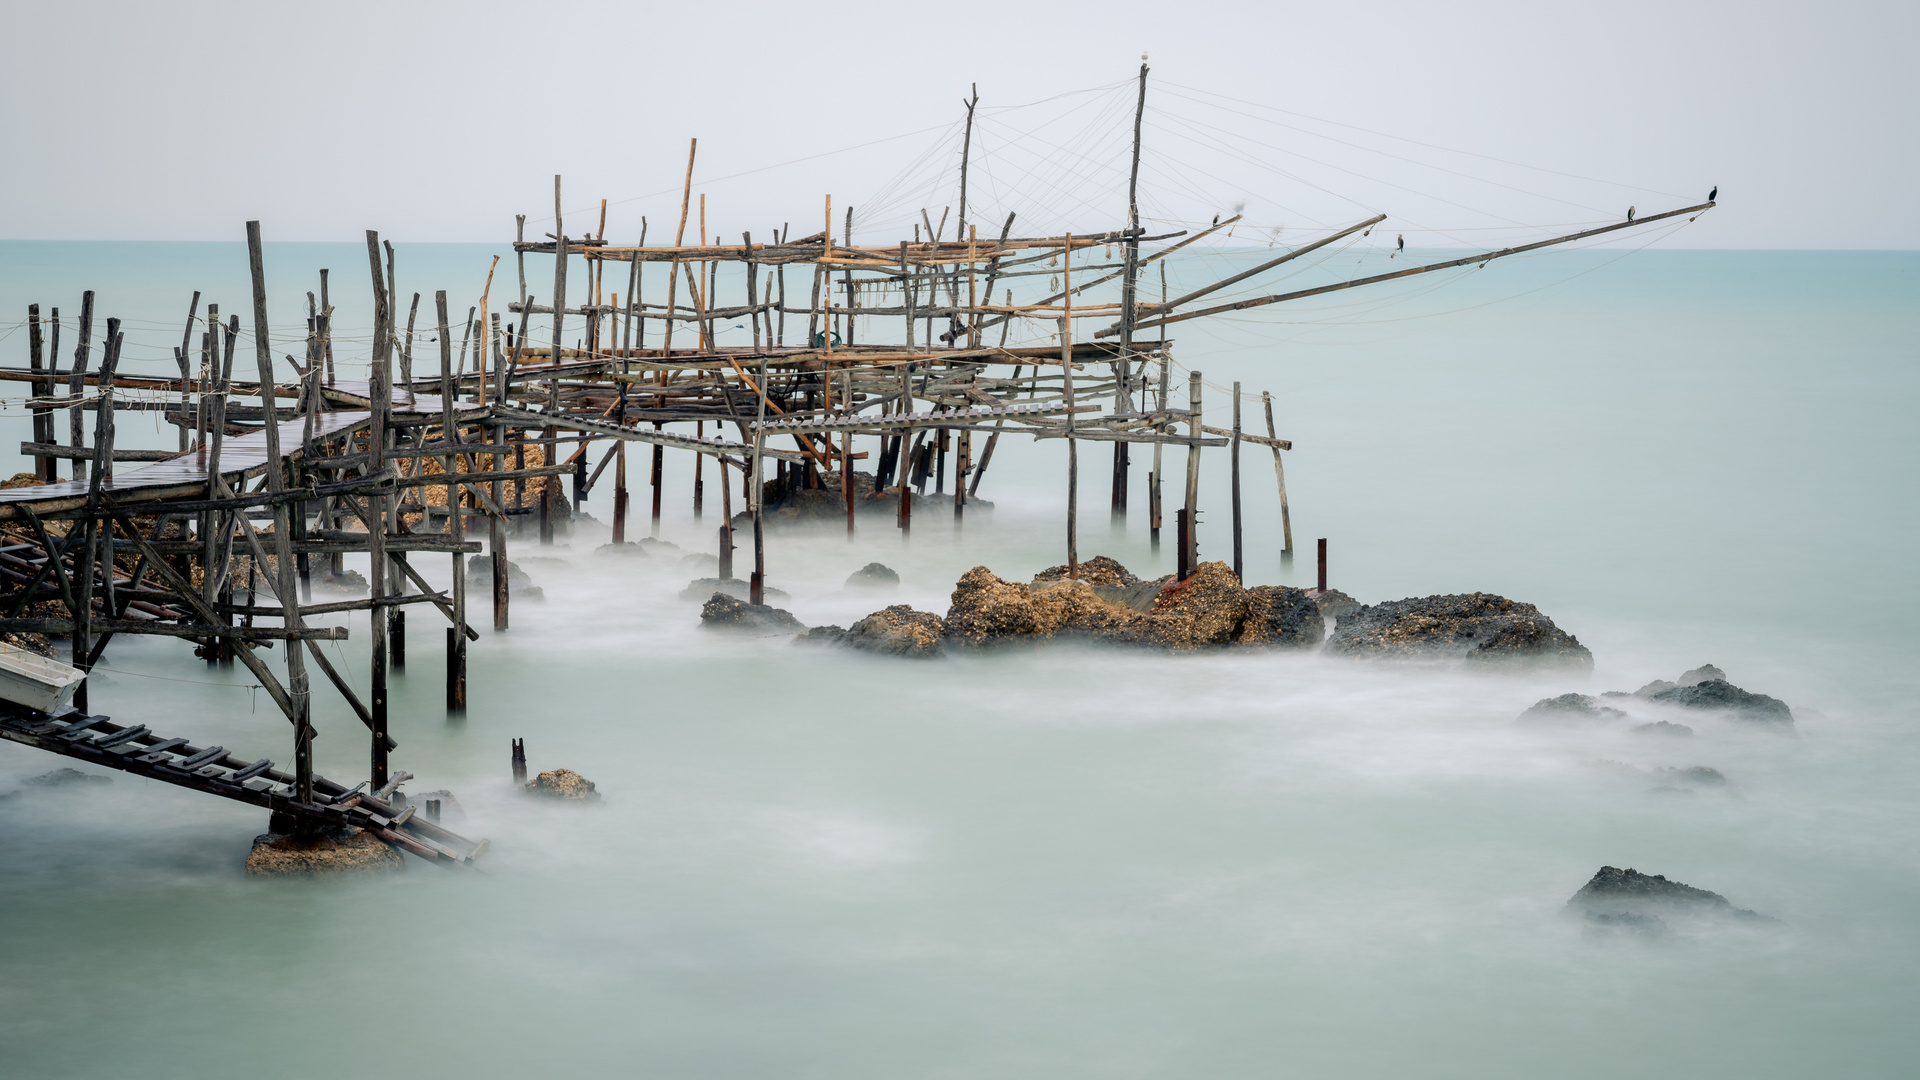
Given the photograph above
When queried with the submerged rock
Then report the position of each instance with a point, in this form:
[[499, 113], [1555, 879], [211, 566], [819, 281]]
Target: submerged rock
[[1663, 727], [1616, 892], [734, 587], [1278, 615], [873, 576], [1480, 627], [899, 631], [356, 852], [723, 612], [821, 635], [1699, 775], [519, 585], [1569, 707], [344, 583], [1698, 675], [67, 778], [563, 784], [626, 548], [1722, 695]]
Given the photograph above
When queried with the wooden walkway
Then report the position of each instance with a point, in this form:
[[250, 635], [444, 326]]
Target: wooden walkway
[[135, 749], [184, 475]]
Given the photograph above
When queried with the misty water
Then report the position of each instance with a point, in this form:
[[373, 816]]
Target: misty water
[[1072, 862]]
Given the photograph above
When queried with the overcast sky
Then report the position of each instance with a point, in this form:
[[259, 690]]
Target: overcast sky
[[439, 121]]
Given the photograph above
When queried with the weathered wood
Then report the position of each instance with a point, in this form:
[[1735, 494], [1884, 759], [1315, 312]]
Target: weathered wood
[[1280, 478]]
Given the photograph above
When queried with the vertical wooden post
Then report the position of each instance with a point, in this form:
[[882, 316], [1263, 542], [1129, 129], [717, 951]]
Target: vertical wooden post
[[659, 467], [456, 521], [380, 400], [519, 761], [1073, 444], [42, 419], [77, 384], [756, 588], [496, 525], [1194, 433], [297, 689], [699, 465], [1321, 584], [1238, 570], [726, 529]]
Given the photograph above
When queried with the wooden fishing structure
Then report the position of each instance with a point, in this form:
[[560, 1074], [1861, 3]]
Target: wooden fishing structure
[[894, 355]]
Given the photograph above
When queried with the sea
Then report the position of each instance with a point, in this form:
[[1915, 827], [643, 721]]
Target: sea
[[1070, 862]]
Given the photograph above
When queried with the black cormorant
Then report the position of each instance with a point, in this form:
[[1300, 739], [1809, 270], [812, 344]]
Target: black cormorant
[[1714, 195], [1629, 213]]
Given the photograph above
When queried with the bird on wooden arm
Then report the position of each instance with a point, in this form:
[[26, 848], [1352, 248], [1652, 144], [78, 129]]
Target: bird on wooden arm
[[1629, 213], [1714, 195]]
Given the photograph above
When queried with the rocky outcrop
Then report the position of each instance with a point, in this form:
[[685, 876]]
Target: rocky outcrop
[[65, 778], [1288, 618], [1208, 609], [723, 612], [1647, 902], [1099, 570], [704, 587], [1698, 675], [519, 585], [355, 852], [899, 631], [345, 583], [1569, 707], [1663, 727], [1480, 627], [1718, 694], [563, 784], [875, 577]]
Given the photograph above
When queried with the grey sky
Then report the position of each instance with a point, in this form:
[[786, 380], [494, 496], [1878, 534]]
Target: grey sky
[[440, 121]]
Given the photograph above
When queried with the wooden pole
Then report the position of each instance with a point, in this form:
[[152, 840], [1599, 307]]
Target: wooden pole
[[1280, 478], [1194, 433], [379, 400], [182, 358], [1235, 455], [756, 589], [42, 419], [77, 383], [497, 525], [679, 236], [456, 521], [284, 585]]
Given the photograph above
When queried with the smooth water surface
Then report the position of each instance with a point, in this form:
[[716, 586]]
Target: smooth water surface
[[1071, 862]]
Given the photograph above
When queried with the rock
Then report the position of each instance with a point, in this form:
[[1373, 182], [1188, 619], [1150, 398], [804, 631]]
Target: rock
[[67, 778], [1616, 892], [1703, 673], [345, 583], [626, 549], [450, 808], [723, 612], [985, 610], [1284, 617], [1720, 694], [1099, 570], [702, 560], [734, 587], [1480, 627], [653, 546], [1662, 727], [1208, 608], [1698, 675], [822, 635], [519, 585], [355, 852], [873, 576], [563, 784], [1334, 604], [1568, 707], [1699, 775], [1600, 924], [899, 631]]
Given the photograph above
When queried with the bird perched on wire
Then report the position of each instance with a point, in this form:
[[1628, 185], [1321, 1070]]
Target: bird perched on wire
[[1399, 245], [1629, 213], [1216, 220], [1714, 195]]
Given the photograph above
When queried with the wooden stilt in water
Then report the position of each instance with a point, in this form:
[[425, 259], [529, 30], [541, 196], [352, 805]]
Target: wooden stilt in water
[[699, 462], [456, 523], [756, 588], [620, 494], [1321, 584], [379, 396], [1191, 543], [519, 761], [659, 468], [1235, 455]]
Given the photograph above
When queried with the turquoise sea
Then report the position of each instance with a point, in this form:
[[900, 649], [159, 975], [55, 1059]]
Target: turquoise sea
[[1076, 863]]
